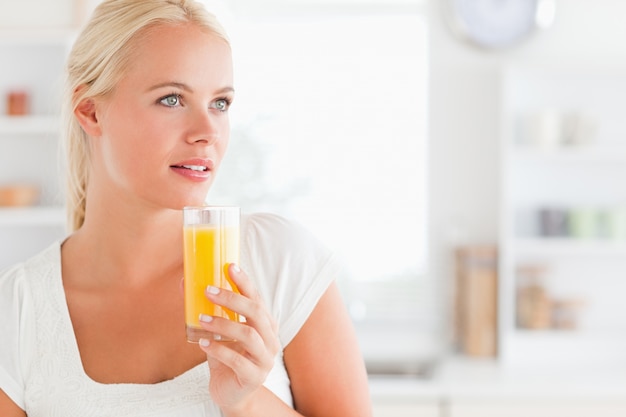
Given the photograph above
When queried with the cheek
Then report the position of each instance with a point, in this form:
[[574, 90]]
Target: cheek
[[118, 159], [124, 149]]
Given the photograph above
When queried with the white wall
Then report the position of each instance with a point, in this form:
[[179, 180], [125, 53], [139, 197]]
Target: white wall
[[50, 14], [464, 116]]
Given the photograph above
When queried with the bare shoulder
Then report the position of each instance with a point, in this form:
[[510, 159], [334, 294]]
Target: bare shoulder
[[325, 365], [8, 408]]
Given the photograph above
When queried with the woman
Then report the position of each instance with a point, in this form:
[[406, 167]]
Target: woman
[[95, 323]]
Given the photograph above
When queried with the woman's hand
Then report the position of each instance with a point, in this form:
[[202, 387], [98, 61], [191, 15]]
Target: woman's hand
[[239, 368]]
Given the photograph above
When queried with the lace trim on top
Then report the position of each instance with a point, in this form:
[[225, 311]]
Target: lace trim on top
[[59, 385]]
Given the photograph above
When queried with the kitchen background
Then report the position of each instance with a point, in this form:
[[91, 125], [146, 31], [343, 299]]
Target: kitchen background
[[483, 187]]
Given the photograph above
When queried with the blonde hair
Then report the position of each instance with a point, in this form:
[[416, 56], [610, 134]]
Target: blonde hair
[[97, 62]]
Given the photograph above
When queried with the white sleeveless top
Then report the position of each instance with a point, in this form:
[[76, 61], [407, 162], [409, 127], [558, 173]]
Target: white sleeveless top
[[40, 365]]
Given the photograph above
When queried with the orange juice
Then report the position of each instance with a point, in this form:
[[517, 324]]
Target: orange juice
[[209, 249]]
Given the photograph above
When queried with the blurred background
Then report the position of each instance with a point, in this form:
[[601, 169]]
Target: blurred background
[[465, 158]]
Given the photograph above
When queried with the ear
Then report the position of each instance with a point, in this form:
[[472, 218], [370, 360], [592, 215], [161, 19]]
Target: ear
[[87, 116]]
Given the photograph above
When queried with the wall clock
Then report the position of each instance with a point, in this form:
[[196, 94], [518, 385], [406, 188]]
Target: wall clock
[[497, 24]]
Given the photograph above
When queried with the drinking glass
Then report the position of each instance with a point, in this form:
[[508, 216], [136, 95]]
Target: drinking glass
[[211, 244]]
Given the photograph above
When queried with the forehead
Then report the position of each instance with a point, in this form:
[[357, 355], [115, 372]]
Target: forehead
[[183, 49]]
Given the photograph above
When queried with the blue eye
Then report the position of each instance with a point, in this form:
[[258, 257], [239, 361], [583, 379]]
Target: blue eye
[[172, 100], [222, 104]]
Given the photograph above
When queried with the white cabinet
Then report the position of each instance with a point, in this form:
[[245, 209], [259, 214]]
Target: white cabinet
[[470, 388], [563, 214], [29, 144]]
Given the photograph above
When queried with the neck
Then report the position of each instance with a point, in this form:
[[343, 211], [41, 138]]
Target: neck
[[127, 247]]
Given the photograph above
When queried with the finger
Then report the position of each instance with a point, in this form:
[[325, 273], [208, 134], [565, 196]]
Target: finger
[[247, 288], [243, 282], [254, 311], [246, 371], [246, 337]]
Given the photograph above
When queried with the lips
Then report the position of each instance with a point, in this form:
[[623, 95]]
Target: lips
[[196, 169]]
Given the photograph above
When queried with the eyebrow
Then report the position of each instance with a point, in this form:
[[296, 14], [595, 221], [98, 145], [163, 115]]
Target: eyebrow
[[185, 87]]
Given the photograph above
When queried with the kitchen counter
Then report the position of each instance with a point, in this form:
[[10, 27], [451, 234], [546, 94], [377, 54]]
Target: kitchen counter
[[459, 379]]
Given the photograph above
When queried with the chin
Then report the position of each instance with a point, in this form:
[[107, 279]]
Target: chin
[[200, 201], [183, 201]]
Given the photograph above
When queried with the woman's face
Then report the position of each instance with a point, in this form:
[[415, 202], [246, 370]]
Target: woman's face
[[164, 129]]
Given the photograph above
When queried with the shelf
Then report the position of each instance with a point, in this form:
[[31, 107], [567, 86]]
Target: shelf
[[569, 338], [30, 36], [28, 125], [579, 347], [569, 247], [542, 167], [32, 216], [586, 154]]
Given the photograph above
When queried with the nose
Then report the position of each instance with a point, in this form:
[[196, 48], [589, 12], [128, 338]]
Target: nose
[[203, 127]]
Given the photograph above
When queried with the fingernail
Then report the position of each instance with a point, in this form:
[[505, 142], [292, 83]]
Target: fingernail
[[204, 342], [212, 290], [206, 318], [236, 268]]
